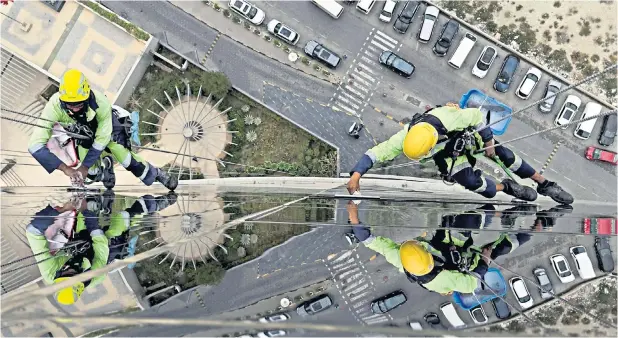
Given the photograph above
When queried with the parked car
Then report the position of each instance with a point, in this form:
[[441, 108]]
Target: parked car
[[485, 60], [582, 262], [546, 289], [285, 33], [584, 129], [314, 306], [416, 326], [501, 308], [596, 154], [450, 313], [405, 17], [478, 315], [281, 317], [608, 130], [529, 82], [507, 71], [248, 11], [386, 303], [520, 290], [604, 253], [322, 54], [600, 226], [271, 333], [387, 11], [449, 31], [397, 64], [568, 110], [429, 20], [562, 269], [551, 88]]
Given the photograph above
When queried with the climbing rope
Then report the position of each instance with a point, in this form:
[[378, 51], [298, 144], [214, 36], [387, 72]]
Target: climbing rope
[[610, 112], [77, 136], [589, 78], [597, 318]]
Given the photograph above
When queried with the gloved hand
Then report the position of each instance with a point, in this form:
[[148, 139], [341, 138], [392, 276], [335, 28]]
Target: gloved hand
[[354, 183], [77, 180]]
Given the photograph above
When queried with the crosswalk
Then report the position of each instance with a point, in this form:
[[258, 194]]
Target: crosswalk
[[363, 76], [356, 287]]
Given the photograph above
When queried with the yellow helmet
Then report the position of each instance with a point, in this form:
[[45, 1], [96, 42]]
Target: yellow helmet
[[74, 87], [415, 259], [419, 141], [69, 295]]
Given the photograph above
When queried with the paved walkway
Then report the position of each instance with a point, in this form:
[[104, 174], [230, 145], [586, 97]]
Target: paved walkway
[[74, 37]]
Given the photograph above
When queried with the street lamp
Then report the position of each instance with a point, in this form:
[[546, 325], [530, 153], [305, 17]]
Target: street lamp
[[24, 26]]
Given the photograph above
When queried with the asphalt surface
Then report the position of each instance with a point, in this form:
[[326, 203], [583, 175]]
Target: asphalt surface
[[434, 82]]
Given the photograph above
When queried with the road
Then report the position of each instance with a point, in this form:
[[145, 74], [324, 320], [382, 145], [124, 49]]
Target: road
[[360, 37]]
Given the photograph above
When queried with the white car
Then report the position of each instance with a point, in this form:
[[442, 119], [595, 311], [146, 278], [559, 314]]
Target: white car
[[387, 11], [429, 20], [485, 60], [521, 292], [568, 111], [248, 11], [561, 267], [272, 333], [274, 318], [283, 32], [527, 85], [582, 262]]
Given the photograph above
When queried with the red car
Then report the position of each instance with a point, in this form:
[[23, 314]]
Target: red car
[[600, 226], [593, 153]]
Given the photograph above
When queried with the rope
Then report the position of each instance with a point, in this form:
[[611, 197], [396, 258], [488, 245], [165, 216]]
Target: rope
[[608, 324], [24, 114], [589, 78], [610, 112], [77, 136]]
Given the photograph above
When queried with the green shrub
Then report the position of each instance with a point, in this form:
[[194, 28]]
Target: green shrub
[[113, 17]]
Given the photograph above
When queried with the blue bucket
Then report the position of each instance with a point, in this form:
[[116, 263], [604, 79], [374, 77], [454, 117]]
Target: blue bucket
[[494, 279], [475, 98]]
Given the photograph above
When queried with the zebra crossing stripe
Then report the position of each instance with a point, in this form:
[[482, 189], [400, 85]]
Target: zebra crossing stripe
[[361, 288], [366, 76], [356, 85], [355, 106], [342, 257], [353, 98], [345, 274], [386, 37], [365, 67], [373, 42], [391, 45], [354, 285], [346, 108]]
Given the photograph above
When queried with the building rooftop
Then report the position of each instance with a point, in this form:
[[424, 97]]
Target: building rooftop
[[75, 37]]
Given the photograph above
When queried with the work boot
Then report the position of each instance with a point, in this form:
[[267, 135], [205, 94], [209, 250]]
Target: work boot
[[106, 174], [510, 215], [518, 191], [166, 200], [546, 219], [351, 238], [169, 181], [553, 190]]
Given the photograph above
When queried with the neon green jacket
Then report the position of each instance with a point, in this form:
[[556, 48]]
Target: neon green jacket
[[49, 266], [444, 282], [100, 109]]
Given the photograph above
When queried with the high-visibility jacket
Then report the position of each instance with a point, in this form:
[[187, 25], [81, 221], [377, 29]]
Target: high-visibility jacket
[[98, 120]]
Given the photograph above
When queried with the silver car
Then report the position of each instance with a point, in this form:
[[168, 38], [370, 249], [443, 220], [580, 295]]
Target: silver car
[[546, 289], [552, 88], [322, 54]]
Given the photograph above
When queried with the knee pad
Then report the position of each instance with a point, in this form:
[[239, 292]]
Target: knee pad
[[473, 180], [136, 168]]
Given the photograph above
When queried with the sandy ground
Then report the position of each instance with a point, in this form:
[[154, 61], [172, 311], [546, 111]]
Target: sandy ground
[[559, 25]]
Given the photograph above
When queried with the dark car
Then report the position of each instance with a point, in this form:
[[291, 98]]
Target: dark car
[[405, 17], [388, 302], [604, 253], [449, 31], [608, 130], [314, 306], [395, 63], [507, 72], [322, 54], [546, 288], [501, 308]]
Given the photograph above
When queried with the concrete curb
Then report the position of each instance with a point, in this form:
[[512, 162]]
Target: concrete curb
[[520, 55], [253, 49]]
